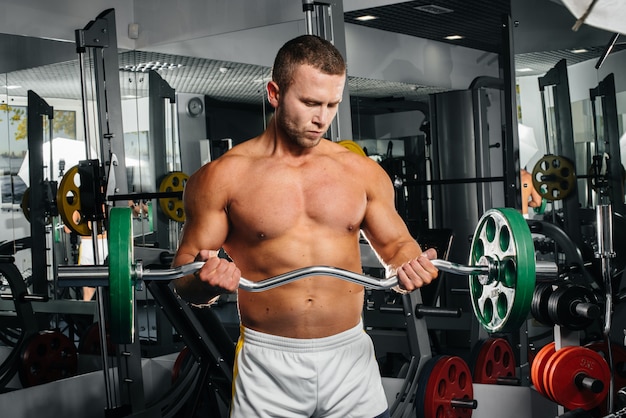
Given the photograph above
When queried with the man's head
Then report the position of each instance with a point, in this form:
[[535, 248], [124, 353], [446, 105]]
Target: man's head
[[306, 50], [306, 89]]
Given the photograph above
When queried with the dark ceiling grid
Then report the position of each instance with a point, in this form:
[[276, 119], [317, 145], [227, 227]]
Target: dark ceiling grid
[[480, 22], [542, 62]]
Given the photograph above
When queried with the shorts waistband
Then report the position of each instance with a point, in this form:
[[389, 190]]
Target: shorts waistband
[[301, 345]]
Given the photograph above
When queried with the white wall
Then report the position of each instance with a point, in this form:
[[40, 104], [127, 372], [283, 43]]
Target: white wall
[[161, 22], [58, 19], [166, 21], [399, 125], [382, 55]]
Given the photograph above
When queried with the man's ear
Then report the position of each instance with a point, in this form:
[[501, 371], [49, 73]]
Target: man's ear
[[272, 94]]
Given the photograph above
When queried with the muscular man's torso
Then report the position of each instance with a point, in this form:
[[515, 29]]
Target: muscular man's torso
[[286, 214]]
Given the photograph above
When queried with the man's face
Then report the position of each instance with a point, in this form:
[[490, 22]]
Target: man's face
[[306, 110]]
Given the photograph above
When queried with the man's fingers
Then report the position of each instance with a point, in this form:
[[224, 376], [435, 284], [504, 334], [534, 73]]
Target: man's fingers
[[430, 253], [204, 255], [218, 272]]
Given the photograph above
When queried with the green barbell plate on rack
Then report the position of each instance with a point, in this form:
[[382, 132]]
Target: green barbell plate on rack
[[501, 301], [121, 276]]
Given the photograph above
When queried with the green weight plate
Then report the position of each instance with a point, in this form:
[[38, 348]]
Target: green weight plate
[[121, 276], [501, 301], [540, 210], [150, 217]]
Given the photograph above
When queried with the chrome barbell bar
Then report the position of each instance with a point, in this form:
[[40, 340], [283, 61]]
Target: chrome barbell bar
[[70, 276]]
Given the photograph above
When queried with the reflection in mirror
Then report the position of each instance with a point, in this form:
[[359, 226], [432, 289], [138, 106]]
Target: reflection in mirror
[[621, 111], [22, 59], [134, 95], [597, 132]]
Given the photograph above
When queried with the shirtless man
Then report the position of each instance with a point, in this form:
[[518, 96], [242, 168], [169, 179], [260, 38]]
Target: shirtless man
[[288, 199]]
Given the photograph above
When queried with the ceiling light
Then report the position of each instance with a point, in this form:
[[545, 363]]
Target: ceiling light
[[579, 51], [524, 70], [10, 87], [454, 37], [433, 9], [366, 18], [223, 70], [262, 80], [152, 65]]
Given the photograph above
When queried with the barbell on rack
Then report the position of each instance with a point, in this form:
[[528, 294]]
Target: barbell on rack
[[501, 268], [69, 200]]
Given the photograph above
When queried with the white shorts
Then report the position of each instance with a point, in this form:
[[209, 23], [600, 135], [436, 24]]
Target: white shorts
[[85, 251], [335, 376]]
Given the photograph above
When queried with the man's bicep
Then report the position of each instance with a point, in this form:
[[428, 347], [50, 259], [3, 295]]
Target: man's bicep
[[205, 231], [206, 222], [383, 226]]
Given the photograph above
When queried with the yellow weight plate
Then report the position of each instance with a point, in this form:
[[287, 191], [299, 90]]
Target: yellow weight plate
[[173, 207], [554, 177], [68, 203], [352, 146]]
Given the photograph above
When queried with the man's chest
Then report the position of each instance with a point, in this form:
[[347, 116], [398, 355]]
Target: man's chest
[[273, 204]]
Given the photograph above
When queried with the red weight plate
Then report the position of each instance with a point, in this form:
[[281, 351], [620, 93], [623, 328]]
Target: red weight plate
[[619, 366], [561, 374], [47, 357], [550, 367], [495, 359], [90, 341], [450, 379], [181, 359], [538, 365]]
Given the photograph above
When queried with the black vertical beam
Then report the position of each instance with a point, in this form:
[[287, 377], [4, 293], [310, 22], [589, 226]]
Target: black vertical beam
[[159, 91], [513, 196], [564, 146], [512, 179], [37, 107], [606, 90]]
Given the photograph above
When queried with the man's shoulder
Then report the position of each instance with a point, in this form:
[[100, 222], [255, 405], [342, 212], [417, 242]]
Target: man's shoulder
[[234, 156], [351, 158]]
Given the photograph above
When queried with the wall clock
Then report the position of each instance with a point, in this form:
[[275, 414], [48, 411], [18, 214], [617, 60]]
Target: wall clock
[[195, 106]]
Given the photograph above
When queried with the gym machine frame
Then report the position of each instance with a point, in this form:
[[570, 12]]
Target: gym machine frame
[[99, 38], [41, 193]]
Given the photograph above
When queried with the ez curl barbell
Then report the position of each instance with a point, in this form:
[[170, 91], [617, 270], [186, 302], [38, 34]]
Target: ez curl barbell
[[501, 272]]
